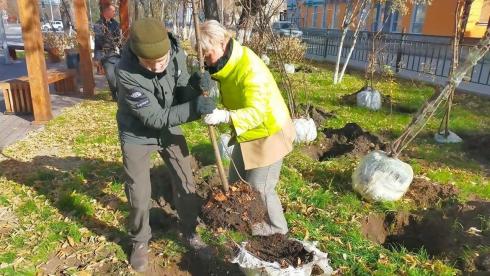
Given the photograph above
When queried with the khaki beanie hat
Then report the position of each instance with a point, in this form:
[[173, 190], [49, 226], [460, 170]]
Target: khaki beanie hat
[[148, 39]]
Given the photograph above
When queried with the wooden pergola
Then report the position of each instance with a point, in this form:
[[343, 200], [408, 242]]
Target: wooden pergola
[[34, 52]]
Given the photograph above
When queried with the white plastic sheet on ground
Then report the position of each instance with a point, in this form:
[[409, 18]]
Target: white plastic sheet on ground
[[369, 98], [305, 130], [441, 138], [380, 177], [252, 266], [225, 150], [289, 68]]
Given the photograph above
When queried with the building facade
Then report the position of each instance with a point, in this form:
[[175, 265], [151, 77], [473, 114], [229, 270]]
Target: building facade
[[436, 19]]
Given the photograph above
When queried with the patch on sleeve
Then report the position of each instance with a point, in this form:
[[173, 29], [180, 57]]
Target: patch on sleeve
[[135, 95], [138, 98], [143, 103]]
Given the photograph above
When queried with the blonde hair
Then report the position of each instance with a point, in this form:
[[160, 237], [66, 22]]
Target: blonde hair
[[212, 35]]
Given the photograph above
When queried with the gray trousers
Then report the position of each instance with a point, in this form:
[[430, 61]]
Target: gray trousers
[[136, 160], [263, 180], [109, 63]]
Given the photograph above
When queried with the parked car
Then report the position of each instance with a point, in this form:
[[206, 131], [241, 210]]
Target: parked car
[[52, 26], [287, 28]]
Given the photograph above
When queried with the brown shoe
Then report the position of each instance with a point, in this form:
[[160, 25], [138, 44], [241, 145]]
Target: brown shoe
[[139, 256]]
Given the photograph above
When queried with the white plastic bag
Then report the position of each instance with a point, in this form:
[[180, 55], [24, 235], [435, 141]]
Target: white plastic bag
[[265, 59], [370, 99], [289, 68], [225, 150], [252, 266], [380, 177], [450, 139], [305, 130]]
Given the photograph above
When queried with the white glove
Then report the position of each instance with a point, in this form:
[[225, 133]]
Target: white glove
[[217, 117]]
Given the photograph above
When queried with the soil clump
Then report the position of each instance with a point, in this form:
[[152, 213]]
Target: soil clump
[[349, 140], [278, 248], [425, 193], [238, 209], [318, 114]]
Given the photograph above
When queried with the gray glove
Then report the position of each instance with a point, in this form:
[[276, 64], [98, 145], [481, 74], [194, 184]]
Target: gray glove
[[200, 81], [205, 105]]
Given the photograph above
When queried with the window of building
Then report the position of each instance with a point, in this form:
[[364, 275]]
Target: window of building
[[418, 18], [315, 16], [378, 18], [335, 11], [324, 19], [394, 18]]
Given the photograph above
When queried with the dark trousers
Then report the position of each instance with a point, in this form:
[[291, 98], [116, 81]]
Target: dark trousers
[[109, 63], [136, 160]]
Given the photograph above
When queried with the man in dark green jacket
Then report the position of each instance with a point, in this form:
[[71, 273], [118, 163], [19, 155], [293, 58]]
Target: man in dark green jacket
[[154, 99]]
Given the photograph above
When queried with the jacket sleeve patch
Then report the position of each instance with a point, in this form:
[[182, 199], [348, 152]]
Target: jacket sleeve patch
[[138, 99]]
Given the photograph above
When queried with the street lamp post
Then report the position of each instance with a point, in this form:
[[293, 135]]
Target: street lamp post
[[51, 8]]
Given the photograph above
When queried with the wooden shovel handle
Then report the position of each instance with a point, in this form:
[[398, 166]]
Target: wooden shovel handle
[[212, 133]]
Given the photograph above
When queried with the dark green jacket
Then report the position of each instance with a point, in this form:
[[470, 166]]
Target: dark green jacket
[[152, 106]]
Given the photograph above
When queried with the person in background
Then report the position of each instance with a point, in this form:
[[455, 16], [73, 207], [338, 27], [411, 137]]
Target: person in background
[[156, 96], [255, 109], [107, 46]]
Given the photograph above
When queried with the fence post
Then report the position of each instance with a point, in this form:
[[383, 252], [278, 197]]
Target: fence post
[[326, 47], [399, 52]]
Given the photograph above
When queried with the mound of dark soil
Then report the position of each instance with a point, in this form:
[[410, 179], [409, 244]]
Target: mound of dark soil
[[446, 233], [239, 209], [425, 193], [318, 114], [350, 139], [478, 147], [278, 248], [386, 100]]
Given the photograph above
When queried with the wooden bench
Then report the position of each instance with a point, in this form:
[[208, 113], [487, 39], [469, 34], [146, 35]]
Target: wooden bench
[[17, 92]]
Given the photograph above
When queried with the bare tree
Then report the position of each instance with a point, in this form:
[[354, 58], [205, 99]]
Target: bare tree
[[211, 10], [427, 111], [358, 11], [249, 9], [461, 19], [352, 9], [356, 14]]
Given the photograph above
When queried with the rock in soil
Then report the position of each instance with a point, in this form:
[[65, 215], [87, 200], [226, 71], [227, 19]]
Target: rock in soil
[[445, 233], [278, 248], [239, 209], [349, 140], [425, 193]]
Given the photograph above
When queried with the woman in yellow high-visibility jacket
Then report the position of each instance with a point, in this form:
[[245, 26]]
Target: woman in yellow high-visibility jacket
[[258, 115]]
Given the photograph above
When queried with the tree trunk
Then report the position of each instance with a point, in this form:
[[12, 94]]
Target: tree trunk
[[211, 10], [339, 55], [362, 19]]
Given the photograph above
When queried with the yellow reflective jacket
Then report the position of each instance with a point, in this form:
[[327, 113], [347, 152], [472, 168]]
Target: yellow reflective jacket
[[250, 93]]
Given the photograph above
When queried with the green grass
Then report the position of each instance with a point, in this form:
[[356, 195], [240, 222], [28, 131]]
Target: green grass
[[60, 182]]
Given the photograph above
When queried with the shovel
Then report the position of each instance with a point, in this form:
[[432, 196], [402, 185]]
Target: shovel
[[212, 133]]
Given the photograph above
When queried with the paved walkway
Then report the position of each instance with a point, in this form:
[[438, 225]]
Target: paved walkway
[[15, 127]]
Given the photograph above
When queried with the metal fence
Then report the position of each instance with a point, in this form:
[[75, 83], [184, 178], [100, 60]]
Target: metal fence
[[428, 55]]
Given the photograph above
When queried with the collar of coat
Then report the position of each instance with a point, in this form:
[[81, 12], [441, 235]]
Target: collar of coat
[[236, 55]]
